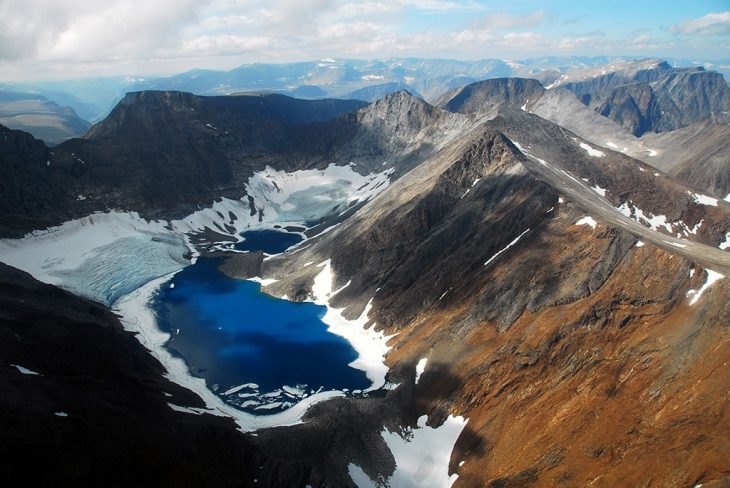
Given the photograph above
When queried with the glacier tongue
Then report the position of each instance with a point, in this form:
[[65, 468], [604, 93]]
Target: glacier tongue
[[101, 256]]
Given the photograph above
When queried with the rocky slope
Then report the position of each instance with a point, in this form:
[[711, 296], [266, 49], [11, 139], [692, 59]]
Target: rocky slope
[[483, 264], [698, 155]]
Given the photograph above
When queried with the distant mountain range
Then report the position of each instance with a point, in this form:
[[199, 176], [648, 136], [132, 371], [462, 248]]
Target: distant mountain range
[[93, 98]]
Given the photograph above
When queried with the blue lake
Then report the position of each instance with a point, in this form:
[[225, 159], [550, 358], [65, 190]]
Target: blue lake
[[231, 334], [270, 241]]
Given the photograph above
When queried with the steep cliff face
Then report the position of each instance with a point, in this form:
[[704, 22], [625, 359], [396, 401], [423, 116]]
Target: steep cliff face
[[164, 154], [657, 99], [690, 96], [167, 154], [633, 106]]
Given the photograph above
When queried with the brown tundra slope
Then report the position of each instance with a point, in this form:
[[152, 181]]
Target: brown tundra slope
[[577, 352]]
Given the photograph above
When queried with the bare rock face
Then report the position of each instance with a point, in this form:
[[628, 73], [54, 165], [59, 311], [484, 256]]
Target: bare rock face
[[690, 96], [658, 99], [164, 154], [634, 106]]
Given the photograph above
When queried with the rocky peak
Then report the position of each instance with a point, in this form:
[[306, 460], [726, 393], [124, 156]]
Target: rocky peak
[[398, 116], [402, 105], [143, 107], [480, 95]]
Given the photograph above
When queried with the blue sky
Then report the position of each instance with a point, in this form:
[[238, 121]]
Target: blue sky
[[41, 39]]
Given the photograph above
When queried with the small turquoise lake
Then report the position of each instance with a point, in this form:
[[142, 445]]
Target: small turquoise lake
[[260, 353]]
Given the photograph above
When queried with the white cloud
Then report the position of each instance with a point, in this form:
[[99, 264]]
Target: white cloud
[[67, 38], [225, 44], [344, 30], [81, 30], [504, 20], [712, 24]]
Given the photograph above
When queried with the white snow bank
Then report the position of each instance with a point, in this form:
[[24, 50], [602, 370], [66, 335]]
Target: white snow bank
[[25, 370], [652, 221], [420, 368], [422, 455], [138, 317], [704, 199], [726, 243], [309, 195], [599, 190], [712, 277], [371, 346], [587, 220], [514, 241], [591, 151]]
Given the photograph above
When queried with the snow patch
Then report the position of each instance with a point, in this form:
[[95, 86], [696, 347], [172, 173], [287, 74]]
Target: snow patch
[[726, 243], [420, 368], [371, 346], [712, 277], [262, 281], [514, 241], [587, 220], [599, 190], [654, 222], [25, 370], [704, 199], [591, 151], [422, 455]]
